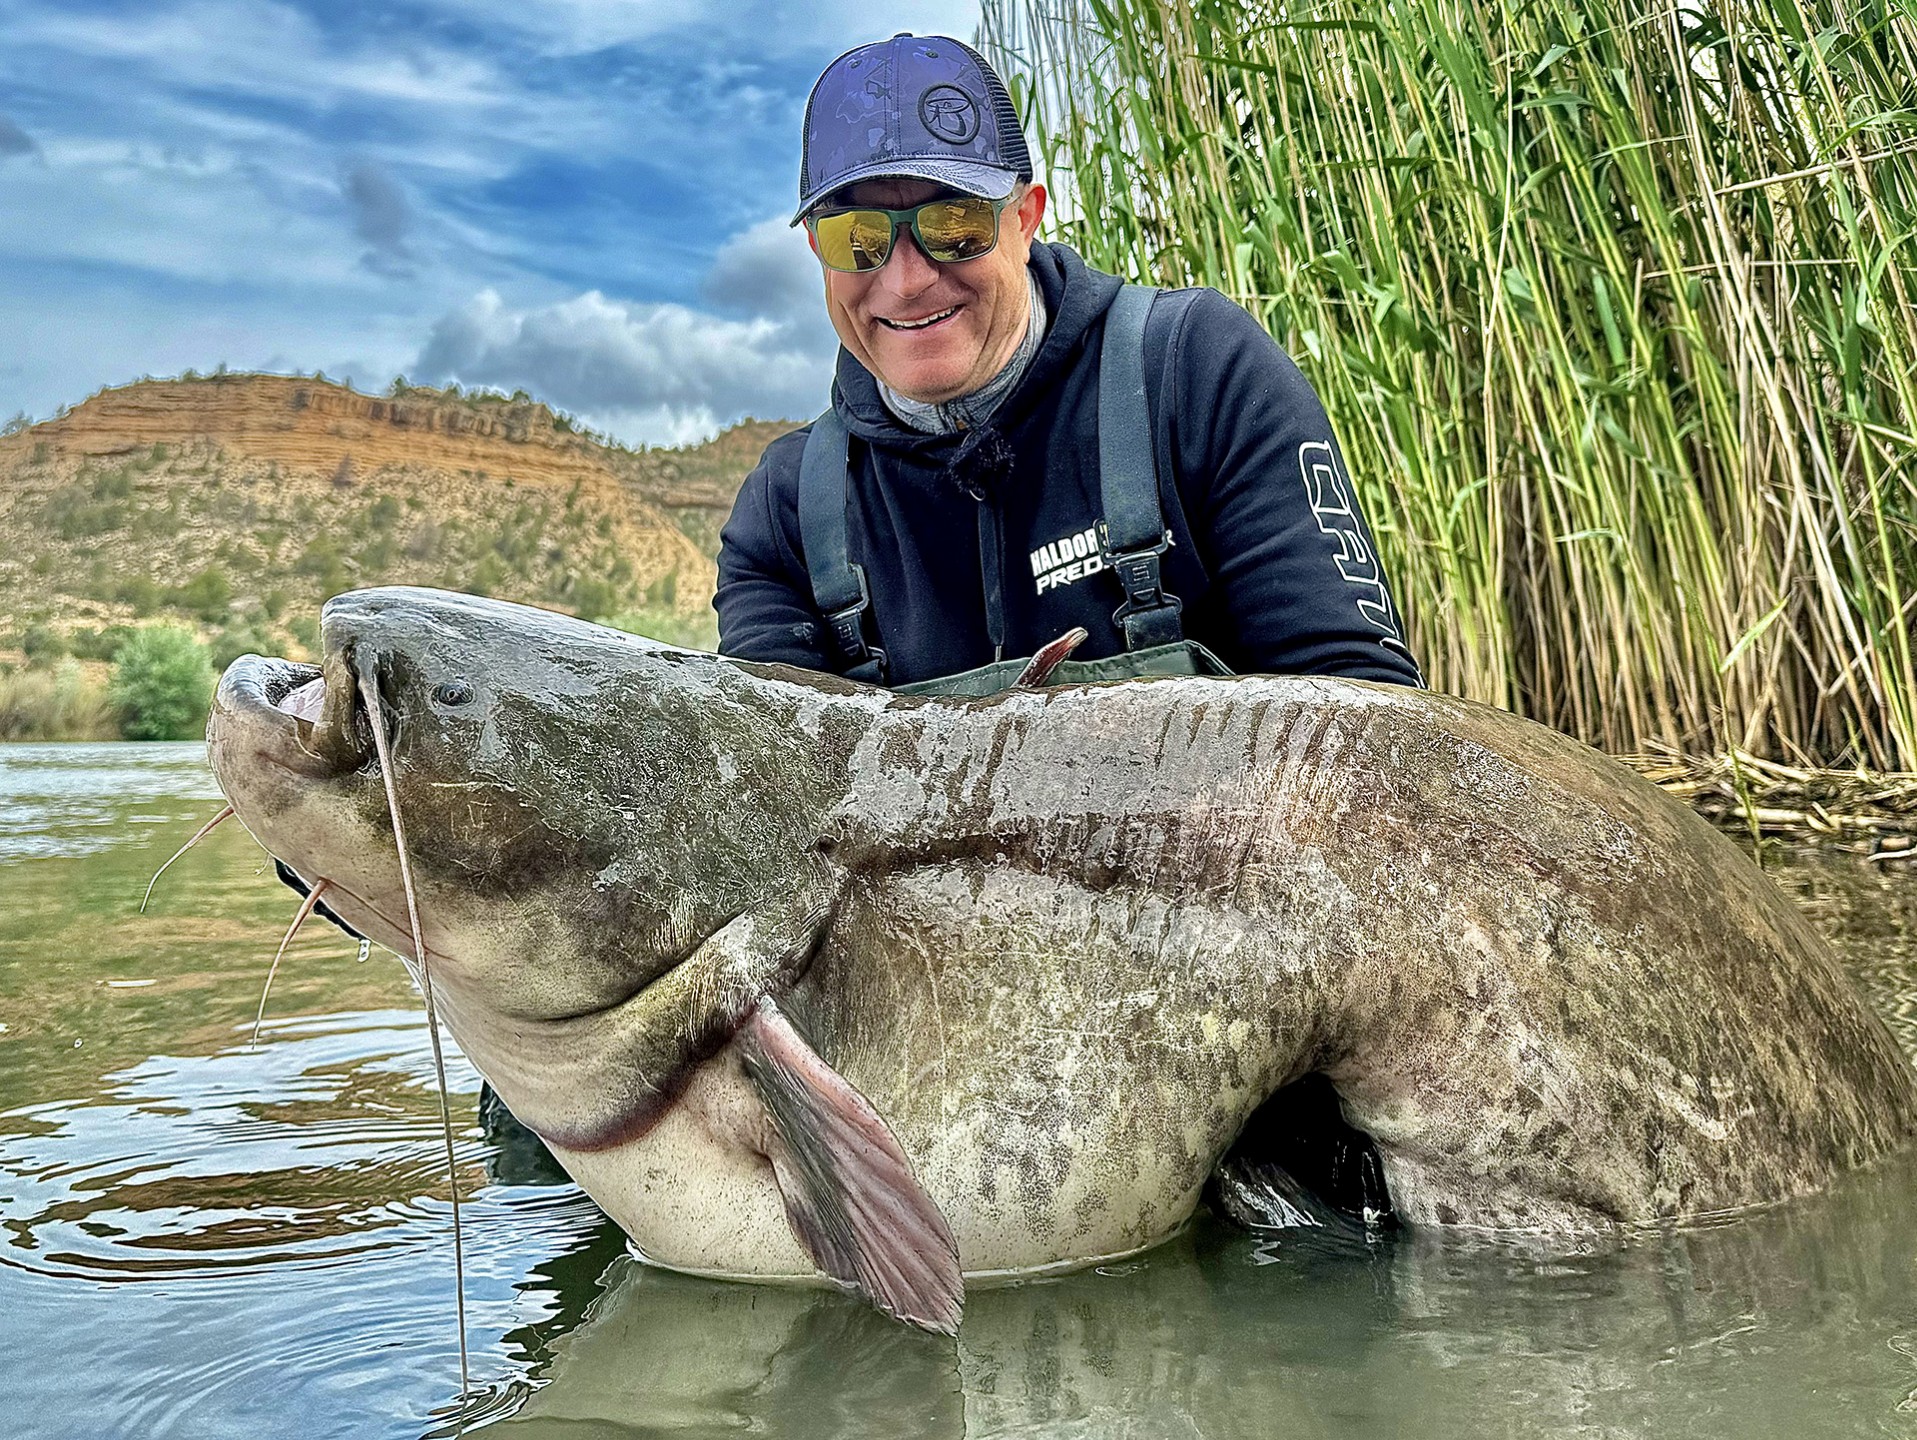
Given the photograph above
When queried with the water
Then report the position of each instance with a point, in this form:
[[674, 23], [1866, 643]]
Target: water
[[204, 1238]]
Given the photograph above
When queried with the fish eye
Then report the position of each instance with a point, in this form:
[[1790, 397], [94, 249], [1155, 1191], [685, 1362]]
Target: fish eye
[[452, 692]]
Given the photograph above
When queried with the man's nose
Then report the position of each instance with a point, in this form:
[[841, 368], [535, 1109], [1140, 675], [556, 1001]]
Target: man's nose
[[906, 271]]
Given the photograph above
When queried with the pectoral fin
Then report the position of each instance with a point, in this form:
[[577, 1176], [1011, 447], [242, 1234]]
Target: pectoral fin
[[850, 1195]]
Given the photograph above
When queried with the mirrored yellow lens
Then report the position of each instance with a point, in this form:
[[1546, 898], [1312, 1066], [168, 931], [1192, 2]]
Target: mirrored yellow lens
[[854, 239], [953, 230]]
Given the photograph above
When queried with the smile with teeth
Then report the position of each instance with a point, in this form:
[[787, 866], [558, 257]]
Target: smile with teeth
[[919, 324]]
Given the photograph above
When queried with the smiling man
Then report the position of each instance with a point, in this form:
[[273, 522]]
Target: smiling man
[[1019, 445]]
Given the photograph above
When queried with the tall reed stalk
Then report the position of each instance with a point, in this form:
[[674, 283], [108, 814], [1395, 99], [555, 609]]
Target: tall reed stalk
[[1614, 308]]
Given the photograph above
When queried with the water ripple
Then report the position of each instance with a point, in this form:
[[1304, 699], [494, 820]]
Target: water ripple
[[76, 799]]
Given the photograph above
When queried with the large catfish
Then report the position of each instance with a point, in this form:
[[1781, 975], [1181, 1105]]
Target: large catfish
[[797, 976]]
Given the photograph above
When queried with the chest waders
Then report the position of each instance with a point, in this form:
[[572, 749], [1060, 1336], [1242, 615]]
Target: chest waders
[[1132, 537]]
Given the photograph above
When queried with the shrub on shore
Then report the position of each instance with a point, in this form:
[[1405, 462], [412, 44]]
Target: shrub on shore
[[43, 645], [162, 684]]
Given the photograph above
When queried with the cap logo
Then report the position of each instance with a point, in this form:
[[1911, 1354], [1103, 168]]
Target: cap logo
[[949, 113]]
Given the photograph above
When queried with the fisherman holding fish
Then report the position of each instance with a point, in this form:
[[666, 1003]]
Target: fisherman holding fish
[[794, 979], [1020, 447]]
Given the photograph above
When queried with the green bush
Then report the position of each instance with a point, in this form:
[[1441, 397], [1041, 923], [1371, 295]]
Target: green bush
[[157, 522], [142, 593], [208, 594], [78, 511], [242, 639], [590, 597], [100, 644], [305, 629], [322, 560], [426, 542], [488, 575], [663, 593], [43, 645], [376, 552], [162, 684]]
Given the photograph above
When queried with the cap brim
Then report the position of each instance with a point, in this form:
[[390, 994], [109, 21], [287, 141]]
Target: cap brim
[[968, 177]]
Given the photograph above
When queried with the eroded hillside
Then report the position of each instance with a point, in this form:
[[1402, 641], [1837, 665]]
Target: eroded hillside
[[241, 501]]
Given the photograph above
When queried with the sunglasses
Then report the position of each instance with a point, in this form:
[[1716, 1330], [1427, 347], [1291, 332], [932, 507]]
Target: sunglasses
[[858, 239]]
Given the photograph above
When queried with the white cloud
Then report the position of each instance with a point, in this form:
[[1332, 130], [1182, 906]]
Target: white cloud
[[777, 27], [659, 373], [769, 270], [235, 180], [176, 216], [258, 48]]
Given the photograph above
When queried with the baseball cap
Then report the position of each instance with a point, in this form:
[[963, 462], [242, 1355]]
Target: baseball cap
[[924, 106]]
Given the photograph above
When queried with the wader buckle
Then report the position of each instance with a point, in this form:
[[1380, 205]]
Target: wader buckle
[[848, 632], [1149, 616]]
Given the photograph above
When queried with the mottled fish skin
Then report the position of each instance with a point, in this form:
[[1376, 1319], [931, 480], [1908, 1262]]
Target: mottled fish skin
[[1557, 999], [1072, 938]]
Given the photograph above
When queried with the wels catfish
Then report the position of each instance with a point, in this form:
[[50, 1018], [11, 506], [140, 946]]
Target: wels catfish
[[799, 977]]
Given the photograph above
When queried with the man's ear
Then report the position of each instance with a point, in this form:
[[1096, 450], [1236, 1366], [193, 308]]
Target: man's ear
[[1031, 209]]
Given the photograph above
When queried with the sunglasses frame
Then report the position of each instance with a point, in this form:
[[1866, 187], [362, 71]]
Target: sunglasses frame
[[907, 219]]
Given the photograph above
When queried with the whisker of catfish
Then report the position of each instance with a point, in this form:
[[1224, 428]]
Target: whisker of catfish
[[370, 694], [226, 813], [299, 919]]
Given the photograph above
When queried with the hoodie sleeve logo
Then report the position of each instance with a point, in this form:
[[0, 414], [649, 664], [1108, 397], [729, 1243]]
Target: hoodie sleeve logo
[[1330, 495]]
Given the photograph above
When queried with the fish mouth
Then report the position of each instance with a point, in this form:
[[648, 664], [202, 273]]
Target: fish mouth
[[308, 719]]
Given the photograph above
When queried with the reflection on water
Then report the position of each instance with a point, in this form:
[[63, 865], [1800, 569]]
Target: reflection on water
[[201, 1237], [1798, 1324]]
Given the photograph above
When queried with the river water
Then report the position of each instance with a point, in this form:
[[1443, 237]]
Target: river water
[[201, 1236]]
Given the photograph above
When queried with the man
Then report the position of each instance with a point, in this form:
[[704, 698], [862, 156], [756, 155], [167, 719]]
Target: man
[[957, 509]]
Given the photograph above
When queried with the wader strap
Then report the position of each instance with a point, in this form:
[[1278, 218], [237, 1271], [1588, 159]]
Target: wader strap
[[838, 586], [1133, 532]]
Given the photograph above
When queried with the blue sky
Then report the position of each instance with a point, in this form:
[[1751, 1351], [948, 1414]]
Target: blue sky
[[585, 198]]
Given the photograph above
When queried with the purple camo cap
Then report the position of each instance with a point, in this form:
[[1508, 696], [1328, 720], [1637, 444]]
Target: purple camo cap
[[924, 106]]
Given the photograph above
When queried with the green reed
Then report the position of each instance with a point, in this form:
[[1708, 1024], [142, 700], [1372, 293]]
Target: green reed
[[1614, 309]]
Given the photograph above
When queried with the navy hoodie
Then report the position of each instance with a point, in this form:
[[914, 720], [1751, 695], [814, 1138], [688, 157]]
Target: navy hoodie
[[1269, 554]]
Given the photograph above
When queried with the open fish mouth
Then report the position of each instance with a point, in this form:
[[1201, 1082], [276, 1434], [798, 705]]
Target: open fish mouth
[[308, 719]]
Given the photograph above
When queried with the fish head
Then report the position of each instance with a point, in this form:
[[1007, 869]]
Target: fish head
[[554, 781]]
